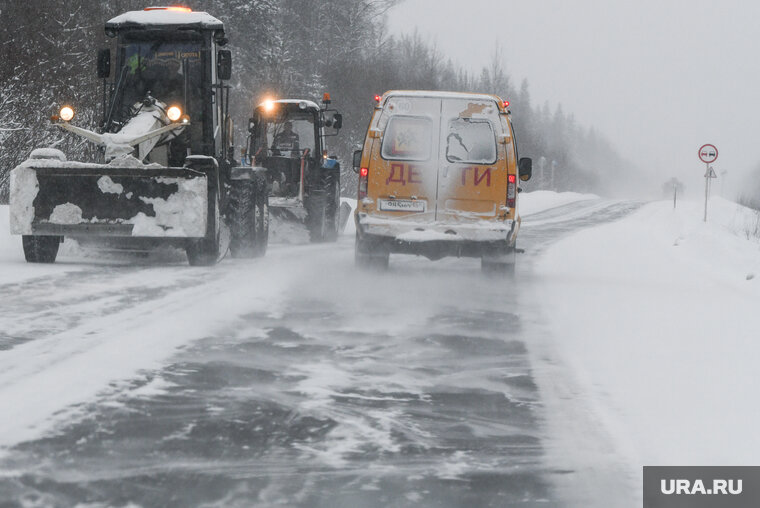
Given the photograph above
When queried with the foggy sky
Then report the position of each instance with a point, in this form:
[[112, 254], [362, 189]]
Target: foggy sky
[[659, 78]]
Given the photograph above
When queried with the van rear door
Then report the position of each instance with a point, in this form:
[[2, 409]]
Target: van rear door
[[408, 178], [473, 167]]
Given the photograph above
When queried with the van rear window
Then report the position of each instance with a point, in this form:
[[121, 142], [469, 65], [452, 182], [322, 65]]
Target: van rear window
[[471, 141], [407, 138]]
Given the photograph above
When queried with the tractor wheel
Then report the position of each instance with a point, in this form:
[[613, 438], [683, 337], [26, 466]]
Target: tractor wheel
[[332, 211], [249, 218], [322, 209], [40, 249], [261, 217], [241, 218]]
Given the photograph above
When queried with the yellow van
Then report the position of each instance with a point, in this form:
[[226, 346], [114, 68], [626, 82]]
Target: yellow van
[[439, 176]]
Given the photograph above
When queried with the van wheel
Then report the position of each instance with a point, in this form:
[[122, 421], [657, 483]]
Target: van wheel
[[378, 262], [494, 265], [369, 257], [40, 249]]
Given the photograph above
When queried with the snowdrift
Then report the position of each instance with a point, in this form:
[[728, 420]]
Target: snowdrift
[[538, 201], [657, 316]]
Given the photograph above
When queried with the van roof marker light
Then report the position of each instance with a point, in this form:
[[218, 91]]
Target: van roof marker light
[[377, 98], [505, 104]]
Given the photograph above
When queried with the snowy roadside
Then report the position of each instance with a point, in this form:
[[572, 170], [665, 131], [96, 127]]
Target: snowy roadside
[[655, 318], [538, 201], [13, 268]]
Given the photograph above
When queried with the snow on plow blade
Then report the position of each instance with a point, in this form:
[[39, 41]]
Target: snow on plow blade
[[77, 199]]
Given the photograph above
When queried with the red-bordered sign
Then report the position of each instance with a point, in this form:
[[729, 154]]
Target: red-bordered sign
[[708, 153]]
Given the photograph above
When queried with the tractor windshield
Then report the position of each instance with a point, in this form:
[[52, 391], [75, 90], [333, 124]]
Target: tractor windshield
[[286, 133], [168, 70]]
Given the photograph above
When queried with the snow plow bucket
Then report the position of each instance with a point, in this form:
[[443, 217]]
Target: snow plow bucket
[[77, 199]]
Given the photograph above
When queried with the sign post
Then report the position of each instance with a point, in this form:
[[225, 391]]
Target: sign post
[[708, 154]]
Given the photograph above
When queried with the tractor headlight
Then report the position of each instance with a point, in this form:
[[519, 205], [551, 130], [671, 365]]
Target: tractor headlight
[[174, 113], [66, 113]]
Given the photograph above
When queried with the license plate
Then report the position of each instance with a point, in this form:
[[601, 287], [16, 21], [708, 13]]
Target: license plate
[[402, 205]]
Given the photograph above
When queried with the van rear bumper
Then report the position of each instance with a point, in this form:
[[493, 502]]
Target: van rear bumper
[[437, 240]]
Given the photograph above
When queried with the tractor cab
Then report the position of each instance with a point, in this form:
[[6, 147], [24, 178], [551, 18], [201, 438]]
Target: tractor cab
[[286, 141], [168, 61]]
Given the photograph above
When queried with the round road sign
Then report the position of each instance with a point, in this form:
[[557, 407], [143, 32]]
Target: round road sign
[[708, 153]]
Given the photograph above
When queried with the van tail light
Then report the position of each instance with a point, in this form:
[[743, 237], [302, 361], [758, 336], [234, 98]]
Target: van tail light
[[363, 179], [511, 190]]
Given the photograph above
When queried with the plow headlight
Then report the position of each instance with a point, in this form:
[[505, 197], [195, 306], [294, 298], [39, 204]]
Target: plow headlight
[[269, 105], [174, 113], [66, 113]]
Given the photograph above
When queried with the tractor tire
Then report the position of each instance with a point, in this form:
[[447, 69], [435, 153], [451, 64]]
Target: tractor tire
[[40, 249], [262, 217], [241, 218], [249, 218], [323, 208]]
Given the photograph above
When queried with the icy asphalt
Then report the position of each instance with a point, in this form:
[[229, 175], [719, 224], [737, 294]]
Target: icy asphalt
[[292, 380]]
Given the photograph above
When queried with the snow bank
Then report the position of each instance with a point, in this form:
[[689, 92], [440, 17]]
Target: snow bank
[[10, 246], [350, 229], [657, 316], [538, 201]]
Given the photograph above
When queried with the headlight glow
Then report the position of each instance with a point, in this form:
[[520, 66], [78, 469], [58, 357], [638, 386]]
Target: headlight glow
[[67, 113], [174, 113]]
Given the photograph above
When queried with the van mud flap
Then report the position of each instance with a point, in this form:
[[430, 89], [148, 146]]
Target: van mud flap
[[99, 200]]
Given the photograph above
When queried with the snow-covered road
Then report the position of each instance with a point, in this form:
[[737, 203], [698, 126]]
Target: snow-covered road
[[289, 380]]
